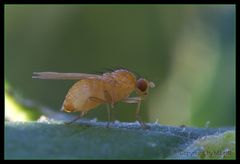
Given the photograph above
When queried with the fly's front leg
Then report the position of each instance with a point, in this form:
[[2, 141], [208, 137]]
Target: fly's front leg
[[136, 100]]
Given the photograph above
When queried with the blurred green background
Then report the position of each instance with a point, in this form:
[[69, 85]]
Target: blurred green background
[[188, 51]]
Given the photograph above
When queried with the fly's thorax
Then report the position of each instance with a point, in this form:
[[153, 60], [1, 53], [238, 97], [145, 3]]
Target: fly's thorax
[[119, 84], [124, 78]]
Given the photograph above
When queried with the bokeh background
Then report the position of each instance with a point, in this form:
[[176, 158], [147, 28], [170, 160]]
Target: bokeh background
[[188, 51]]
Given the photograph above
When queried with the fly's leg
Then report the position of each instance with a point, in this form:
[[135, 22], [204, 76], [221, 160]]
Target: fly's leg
[[108, 98], [97, 100], [109, 114], [101, 101], [75, 119], [108, 101], [136, 100], [110, 105], [82, 114]]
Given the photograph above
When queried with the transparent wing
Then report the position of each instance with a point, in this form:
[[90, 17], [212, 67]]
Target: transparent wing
[[63, 76]]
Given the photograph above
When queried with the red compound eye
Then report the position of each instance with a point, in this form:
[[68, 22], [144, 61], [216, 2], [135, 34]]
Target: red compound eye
[[142, 85]]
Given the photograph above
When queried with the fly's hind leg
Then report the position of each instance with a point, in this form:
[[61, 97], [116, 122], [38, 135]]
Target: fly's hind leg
[[75, 119], [136, 100], [83, 113]]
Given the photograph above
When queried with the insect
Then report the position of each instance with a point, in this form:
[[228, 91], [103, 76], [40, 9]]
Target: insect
[[93, 90]]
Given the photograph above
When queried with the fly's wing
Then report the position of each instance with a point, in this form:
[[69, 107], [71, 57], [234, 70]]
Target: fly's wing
[[63, 76]]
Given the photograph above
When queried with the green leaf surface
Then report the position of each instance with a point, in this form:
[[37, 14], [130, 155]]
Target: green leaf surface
[[92, 140], [219, 146]]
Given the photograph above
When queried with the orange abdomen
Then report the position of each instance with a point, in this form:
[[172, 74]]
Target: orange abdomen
[[119, 84]]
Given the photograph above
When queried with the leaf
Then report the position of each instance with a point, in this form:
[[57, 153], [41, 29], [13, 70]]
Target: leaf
[[18, 108], [92, 140], [219, 146]]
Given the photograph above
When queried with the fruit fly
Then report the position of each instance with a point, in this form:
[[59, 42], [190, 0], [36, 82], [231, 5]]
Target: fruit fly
[[93, 90]]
